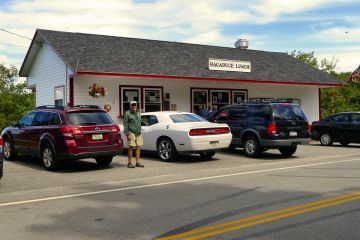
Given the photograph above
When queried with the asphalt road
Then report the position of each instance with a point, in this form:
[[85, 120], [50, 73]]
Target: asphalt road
[[230, 197]]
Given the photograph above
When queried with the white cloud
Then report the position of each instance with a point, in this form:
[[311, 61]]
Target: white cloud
[[194, 21]]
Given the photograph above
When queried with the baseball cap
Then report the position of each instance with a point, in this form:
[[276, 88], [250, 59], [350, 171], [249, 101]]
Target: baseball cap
[[133, 102]]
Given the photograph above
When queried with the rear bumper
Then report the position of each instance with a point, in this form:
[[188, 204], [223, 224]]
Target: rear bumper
[[89, 154], [204, 143], [284, 142]]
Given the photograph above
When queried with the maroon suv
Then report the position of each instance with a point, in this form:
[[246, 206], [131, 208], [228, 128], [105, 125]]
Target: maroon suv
[[58, 133]]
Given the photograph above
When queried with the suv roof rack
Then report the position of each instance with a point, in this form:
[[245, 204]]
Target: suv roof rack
[[50, 107]]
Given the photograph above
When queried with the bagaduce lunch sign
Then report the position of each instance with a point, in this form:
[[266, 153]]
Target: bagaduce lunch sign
[[229, 65]]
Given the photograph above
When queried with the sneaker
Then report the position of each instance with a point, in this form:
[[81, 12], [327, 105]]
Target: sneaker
[[139, 165], [130, 165]]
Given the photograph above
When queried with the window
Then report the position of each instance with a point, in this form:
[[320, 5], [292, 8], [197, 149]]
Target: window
[[222, 115], [180, 118], [88, 118], [220, 98], [239, 96], [288, 112], [341, 118], [153, 99], [55, 119], [148, 120], [200, 101], [238, 113], [355, 118], [261, 113], [28, 119], [42, 119], [129, 94], [59, 93]]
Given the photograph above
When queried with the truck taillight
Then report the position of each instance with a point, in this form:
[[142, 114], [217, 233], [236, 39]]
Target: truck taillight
[[208, 131], [271, 129]]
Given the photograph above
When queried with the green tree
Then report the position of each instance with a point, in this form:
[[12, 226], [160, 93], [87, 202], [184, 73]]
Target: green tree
[[16, 100], [334, 99]]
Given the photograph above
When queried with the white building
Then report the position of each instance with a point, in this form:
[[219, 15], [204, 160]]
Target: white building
[[160, 75]]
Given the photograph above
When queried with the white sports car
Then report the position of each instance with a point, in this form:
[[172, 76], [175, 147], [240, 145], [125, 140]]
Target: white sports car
[[172, 133]]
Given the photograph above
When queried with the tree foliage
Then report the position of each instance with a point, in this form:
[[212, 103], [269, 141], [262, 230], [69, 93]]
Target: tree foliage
[[334, 99], [16, 100]]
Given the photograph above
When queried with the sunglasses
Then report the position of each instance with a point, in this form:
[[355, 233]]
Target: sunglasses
[[134, 104]]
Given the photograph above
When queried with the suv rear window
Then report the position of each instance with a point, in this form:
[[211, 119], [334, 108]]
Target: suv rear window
[[288, 112], [88, 118]]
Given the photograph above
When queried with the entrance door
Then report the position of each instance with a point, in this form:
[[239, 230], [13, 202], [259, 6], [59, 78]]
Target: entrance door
[[129, 94]]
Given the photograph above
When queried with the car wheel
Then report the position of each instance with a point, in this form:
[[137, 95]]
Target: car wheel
[[252, 147], [325, 139], [103, 161], [344, 143], [8, 150], [287, 151], [166, 150], [48, 158], [207, 155]]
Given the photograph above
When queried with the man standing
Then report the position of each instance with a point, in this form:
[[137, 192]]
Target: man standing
[[132, 129]]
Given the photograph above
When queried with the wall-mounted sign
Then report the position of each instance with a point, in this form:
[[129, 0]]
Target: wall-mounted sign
[[229, 65]]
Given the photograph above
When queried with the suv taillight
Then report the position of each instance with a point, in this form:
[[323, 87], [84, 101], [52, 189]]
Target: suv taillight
[[71, 132], [271, 129], [1, 141]]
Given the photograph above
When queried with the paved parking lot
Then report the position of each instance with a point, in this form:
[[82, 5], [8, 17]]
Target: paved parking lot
[[82, 201], [26, 177]]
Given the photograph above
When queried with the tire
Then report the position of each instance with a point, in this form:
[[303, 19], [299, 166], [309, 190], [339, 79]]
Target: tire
[[344, 143], [326, 139], [166, 150], [103, 161], [287, 151], [252, 147], [48, 158], [207, 155], [8, 150]]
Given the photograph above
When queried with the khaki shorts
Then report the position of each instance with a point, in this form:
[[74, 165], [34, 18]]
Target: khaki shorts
[[135, 141]]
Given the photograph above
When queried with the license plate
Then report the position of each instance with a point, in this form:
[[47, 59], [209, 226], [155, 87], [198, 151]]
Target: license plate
[[293, 134], [97, 137], [214, 144]]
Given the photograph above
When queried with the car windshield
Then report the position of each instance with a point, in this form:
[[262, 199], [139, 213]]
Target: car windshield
[[88, 118], [186, 117], [288, 112]]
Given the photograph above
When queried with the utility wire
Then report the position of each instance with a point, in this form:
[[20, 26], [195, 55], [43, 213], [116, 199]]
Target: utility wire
[[15, 34]]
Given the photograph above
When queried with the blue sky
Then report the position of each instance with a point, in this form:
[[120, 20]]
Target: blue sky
[[331, 28]]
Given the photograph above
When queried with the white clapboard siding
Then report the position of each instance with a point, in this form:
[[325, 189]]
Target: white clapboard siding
[[48, 72], [180, 92]]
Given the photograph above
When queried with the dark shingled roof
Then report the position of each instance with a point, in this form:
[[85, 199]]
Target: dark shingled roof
[[109, 54]]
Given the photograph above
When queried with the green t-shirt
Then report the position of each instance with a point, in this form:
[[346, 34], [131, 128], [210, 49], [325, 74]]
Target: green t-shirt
[[132, 122]]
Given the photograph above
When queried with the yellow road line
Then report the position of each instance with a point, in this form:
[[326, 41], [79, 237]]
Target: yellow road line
[[263, 218]]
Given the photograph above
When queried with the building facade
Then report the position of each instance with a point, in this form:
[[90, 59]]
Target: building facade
[[62, 68]]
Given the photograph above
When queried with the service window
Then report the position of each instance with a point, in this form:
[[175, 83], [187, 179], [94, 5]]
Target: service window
[[153, 99], [129, 94], [220, 98], [239, 96], [199, 100]]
